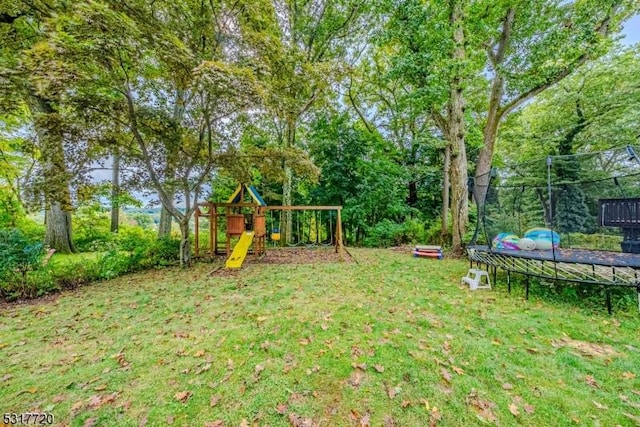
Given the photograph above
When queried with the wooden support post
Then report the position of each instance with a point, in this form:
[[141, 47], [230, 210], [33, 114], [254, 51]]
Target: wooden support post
[[213, 230], [197, 233], [228, 211], [339, 244]]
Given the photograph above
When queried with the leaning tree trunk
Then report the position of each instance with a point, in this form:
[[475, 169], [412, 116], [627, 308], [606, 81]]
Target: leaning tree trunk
[[185, 243], [164, 226], [288, 183], [56, 177], [494, 114], [115, 192], [459, 174], [166, 218], [444, 230]]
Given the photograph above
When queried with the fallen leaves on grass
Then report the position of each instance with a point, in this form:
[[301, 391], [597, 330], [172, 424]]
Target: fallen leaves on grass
[[392, 391], [282, 408], [215, 399], [586, 348], [182, 396], [434, 417], [628, 375], [507, 386], [363, 420], [124, 364], [356, 378], [216, 423], [203, 368], [632, 418], [298, 421], [7, 377], [446, 375], [378, 368], [591, 381], [600, 405], [389, 421], [513, 408], [90, 422], [96, 401], [457, 369], [483, 407]]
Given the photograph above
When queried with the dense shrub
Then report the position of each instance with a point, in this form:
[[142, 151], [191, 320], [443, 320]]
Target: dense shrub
[[91, 225], [21, 265], [23, 275], [163, 252], [387, 233], [135, 238], [72, 275], [116, 263]]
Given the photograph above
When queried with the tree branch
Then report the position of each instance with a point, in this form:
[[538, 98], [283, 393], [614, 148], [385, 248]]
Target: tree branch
[[602, 29]]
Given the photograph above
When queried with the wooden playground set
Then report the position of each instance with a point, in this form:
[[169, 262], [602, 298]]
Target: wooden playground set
[[244, 217]]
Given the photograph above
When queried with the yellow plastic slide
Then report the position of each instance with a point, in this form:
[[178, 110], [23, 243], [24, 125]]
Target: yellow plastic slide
[[240, 250]]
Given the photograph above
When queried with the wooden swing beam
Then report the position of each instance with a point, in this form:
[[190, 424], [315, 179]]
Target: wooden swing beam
[[213, 215]]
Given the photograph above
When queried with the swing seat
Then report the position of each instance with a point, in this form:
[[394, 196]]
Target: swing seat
[[275, 236]]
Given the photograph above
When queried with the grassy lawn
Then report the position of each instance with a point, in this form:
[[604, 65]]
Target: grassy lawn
[[391, 340], [58, 260]]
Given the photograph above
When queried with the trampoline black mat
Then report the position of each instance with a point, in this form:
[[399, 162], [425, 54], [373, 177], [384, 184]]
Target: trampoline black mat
[[576, 256]]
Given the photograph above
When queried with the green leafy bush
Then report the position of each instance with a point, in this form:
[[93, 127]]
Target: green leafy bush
[[20, 259], [163, 252], [91, 228], [117, 263], [388, 233], [135, 238], [75, 274]]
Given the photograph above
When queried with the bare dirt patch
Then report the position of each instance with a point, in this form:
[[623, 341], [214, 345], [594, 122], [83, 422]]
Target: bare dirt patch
[[586, 348], [300, 255]]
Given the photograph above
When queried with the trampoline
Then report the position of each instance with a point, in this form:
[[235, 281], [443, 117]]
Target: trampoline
[[599, 210]]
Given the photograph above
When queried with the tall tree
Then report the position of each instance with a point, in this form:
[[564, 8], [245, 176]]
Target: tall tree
[[532, 46], [438, 65], [302, 45], [29, 77], [143, 62]]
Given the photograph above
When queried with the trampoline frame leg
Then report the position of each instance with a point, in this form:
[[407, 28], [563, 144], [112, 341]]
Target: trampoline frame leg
[[607, 293], [509, 284], [526, 285]]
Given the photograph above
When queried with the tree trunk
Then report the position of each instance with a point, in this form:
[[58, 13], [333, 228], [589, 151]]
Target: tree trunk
[[444, 230], [166, 218], [288, 183], [459, 176], [57, 195], [483, 164], [58, 228], [164, 226], [115, 192], [185, 243], [494, 114]]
